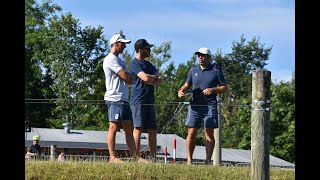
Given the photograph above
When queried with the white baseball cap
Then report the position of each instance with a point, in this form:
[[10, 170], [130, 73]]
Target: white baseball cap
[[119, 37], [203, 50]]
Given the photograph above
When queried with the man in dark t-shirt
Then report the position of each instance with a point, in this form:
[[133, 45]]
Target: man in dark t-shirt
[[206, 80], [145, 77], [34, 151]]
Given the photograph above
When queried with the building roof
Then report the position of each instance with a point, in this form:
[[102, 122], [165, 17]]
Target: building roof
[[86, 139], [98, 140]]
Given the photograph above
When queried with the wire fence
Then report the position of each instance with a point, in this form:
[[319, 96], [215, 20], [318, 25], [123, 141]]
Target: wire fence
[[99, 102], [170, 116], [168, 112]]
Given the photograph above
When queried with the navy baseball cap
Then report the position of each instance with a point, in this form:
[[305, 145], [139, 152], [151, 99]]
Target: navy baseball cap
[[142, 44]]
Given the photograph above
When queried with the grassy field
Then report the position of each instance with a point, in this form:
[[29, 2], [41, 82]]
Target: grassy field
[[42, 170]]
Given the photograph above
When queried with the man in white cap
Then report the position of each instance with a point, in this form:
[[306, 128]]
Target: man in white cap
[[116, 97], [206, 80]]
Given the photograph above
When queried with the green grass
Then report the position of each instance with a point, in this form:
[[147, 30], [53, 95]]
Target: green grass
[[42, 170]]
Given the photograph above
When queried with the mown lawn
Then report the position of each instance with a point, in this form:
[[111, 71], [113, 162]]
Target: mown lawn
[[41, 170]]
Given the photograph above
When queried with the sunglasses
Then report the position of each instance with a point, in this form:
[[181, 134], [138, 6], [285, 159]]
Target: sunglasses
[[121, 36], [147, 49]]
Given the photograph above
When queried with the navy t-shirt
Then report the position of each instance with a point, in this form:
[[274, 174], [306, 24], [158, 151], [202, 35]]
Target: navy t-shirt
[[209, 77], [141, 93]]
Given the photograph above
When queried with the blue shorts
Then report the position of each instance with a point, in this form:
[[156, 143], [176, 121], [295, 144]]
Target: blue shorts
[[118, 111], [197, 113], [144, 116]]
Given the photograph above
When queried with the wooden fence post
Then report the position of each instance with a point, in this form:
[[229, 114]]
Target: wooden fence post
[[52, 152], [260, 125]]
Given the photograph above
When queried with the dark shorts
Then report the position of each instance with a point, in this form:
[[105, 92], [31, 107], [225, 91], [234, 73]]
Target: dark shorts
[[197, 113], [118, 111], [144, 116]]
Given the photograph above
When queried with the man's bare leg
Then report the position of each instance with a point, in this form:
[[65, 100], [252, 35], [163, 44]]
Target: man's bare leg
[[191, 143], [152, 140], [137, 135], [209, 143], [128, 129], [113, 126]]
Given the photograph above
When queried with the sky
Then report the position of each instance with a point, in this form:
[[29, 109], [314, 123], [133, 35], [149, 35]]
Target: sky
[[191, 24]]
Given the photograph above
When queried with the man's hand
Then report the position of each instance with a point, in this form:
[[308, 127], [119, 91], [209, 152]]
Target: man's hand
[[208, 91], [183, 89], [180, 93]]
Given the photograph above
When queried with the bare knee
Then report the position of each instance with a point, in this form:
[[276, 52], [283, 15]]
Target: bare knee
[[128, 127], [113, 127], [192, 133]]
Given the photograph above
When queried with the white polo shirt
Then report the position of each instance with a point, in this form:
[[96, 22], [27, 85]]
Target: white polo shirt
[[116, 88]]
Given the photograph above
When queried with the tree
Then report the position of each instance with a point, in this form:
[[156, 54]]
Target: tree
[[70, 59], [37, 83], [237, 130], [74, 56], [282, 120], [239, 64]]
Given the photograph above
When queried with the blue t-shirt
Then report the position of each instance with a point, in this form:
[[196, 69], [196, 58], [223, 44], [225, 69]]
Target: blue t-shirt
[[209, 77], [141, 93]]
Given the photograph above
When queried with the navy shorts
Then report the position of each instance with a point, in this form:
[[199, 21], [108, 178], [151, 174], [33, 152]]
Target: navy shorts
[[118, 111], [144, 116], [197, 113]]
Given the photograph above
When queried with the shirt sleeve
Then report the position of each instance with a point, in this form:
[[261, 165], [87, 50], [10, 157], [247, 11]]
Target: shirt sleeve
[[135, 68], [189, 78], [114, 65], [221, 78], [155, 69]]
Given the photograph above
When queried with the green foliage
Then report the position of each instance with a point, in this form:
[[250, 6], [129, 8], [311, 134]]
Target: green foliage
[[161, 54], [37, 84], [238, 65], [71, 57], [236, 132], [282, 121]]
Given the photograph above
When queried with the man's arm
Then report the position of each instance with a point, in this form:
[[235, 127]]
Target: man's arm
[[30, 153], [125, 76], [148, 78], [158, 81], [221, 89], [217, 90]]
